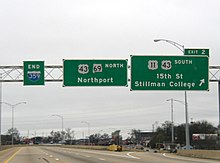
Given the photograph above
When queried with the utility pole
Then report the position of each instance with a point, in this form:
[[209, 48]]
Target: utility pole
[[172, 125]]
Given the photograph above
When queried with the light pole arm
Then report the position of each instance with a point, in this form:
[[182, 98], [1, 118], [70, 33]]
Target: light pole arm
[[182, 102], [177, 45], [13, 106], [7, 104], [58, 116], [19, 104]]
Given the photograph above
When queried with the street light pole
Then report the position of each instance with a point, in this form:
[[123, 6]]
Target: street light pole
[[219, 104], [61, 117], [88, 130], [172, 121], [187, 123], [1, 77], [12, 121], [0, 112], [181, 48]]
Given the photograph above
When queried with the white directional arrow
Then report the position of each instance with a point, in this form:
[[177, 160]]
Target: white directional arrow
[[202, 82]]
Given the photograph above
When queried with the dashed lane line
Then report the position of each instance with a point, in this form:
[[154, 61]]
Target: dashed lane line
[[128, 155], [87, 156], [102, 159]]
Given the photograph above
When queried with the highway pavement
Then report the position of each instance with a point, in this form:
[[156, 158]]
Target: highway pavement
[[41, 154]]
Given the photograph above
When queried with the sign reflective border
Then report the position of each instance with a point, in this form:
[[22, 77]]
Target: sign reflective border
[[95, 73], [33, 73], [169, 73]]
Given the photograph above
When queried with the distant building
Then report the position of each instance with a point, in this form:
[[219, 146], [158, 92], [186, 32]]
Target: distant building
[[144, 137]]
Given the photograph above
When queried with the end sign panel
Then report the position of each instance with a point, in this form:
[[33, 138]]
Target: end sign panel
[[169, 73], [33, 72], [94, 73]]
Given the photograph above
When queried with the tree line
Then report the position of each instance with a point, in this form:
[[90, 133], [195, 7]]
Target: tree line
[[162, 135]]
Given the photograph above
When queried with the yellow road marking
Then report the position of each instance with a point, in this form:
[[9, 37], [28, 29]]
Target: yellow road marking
[[10, 158]]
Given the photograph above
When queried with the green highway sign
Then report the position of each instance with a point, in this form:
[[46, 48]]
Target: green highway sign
[[95, 73], [169, 73], [33, 72], [196, 52]]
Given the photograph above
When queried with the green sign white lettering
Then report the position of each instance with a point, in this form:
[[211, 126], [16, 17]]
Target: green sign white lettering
[[95, 73], [169, 73]]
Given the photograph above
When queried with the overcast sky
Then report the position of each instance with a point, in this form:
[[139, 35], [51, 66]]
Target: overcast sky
[[52, 30]]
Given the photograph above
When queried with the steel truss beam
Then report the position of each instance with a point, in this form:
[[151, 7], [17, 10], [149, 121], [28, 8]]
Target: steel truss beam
[[55, 73], [15, 73], [214, 73]]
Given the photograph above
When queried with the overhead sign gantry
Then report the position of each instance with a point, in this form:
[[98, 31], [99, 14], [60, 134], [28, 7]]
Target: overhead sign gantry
[[54, 73]]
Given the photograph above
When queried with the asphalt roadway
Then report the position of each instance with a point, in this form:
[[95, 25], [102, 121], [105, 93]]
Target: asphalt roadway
[[41, 154]]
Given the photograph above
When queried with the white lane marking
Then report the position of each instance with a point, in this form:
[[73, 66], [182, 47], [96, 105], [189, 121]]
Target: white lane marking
[[129, 155], [100, 153], [102, 159], [87, 156], [57, 159]]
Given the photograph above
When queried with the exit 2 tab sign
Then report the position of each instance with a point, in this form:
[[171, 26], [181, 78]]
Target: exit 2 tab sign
[[196, 52]]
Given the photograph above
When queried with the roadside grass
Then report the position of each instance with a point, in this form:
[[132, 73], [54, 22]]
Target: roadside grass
[[205, 154]]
